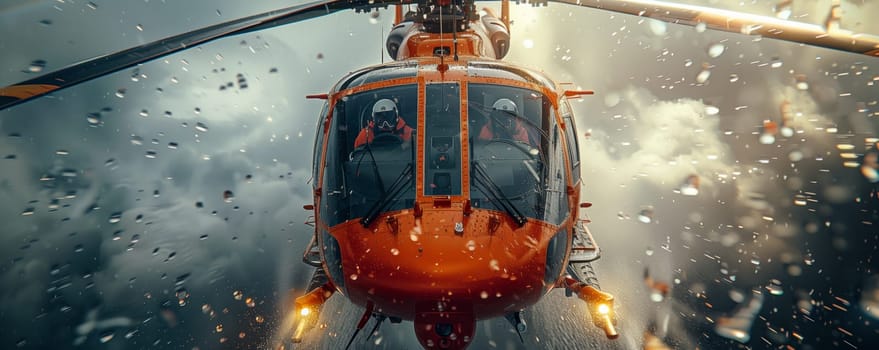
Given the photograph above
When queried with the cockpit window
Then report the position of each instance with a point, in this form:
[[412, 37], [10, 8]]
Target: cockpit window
[[370, 155], [515, 163], [442, 151]]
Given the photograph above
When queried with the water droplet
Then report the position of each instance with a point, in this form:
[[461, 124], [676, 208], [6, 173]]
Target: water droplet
[[92, 5], [139, 27], [373, 18], [483, 295], [94, 119], [808, 260], [688, 62], [776, 62], [802, 83], [471, 245], [657, 27], [107, 336], [493, 264], [774, 287], [649, 251], [353, 277], [151, 154], [715, 50], [28, 211], [172, 145], [237, 295], [701, 27], [395, 251], [228, 196], [783, 9], [201, 127], [733, 78], [690, 187], [646, 215], [36, 66], [711, 110], [115, 217], [120, 93], [136, 140], [144, 113], [219, 328], [703, 76]]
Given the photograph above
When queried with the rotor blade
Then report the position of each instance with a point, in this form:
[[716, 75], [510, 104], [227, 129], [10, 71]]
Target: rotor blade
[[737, 22], [114, 62]]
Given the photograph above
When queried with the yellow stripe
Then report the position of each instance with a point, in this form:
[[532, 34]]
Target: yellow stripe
[[25, 91]]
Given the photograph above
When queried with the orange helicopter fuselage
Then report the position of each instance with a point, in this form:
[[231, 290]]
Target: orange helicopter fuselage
[[443, 258]]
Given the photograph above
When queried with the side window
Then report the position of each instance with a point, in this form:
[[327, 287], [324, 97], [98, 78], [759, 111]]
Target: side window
[[571, 136], [318, 145]]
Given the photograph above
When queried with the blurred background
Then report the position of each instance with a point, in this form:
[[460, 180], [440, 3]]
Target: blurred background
[[161, 206]]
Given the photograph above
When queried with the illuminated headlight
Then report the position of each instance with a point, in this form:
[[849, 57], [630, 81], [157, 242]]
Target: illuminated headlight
[[603, 309]]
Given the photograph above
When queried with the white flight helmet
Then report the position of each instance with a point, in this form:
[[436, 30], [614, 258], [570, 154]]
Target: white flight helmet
[[505, 104], [384, 114]]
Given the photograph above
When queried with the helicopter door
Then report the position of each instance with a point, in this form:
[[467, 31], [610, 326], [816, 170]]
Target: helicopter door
[[442, 139]]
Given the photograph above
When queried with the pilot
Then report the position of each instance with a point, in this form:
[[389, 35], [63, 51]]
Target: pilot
[[385, 119], [504, 123]]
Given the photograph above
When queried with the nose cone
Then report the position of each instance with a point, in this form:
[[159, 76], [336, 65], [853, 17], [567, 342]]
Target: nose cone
[[482, 262]]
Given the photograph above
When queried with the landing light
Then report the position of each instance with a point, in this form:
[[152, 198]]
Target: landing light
[[603, 309], [305, 311]]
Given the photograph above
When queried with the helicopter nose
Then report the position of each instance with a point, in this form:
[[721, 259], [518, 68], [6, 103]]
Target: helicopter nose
[[403, 259]]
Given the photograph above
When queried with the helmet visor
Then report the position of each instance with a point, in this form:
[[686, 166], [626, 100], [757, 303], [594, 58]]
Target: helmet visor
[[386, 120]]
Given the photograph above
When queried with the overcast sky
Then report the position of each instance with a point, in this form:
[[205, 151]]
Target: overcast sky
[[113, 191]]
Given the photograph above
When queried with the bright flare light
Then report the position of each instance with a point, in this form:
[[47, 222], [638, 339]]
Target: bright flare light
[[603, 309], [305, 311]]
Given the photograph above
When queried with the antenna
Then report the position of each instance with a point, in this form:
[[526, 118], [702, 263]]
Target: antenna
[[381, 54], [455, 37]]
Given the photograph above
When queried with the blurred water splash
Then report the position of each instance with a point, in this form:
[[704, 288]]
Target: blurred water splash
[[738, 326], [870, 297]]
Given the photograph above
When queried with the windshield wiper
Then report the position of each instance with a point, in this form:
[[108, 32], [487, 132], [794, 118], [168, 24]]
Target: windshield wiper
[[402, 182], [491, 190]]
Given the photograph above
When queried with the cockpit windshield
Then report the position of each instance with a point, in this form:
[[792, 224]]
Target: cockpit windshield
[[516, 158], [371, 154]]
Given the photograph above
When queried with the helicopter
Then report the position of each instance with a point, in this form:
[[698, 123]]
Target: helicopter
[[443, 184]]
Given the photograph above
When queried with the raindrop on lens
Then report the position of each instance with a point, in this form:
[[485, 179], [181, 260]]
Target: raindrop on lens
[[776, 63], [703, 76], [716, 50], [774, 287], [36, 66], [711, 110], [228, 196], [120, 93], [94, 119]]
